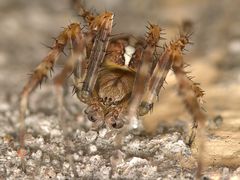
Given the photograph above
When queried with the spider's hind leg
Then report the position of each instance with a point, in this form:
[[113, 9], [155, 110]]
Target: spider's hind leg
[[191, 93]]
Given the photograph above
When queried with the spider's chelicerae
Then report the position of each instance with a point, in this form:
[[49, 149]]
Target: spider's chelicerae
[[117, 77]]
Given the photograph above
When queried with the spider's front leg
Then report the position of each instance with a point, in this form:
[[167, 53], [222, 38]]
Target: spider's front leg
[[73, 32], [76, 59], [86, 74], [101, 26], [145, 65], [141, 63], [156, 82]]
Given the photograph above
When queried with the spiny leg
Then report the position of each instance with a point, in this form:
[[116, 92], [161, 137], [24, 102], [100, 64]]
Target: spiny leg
[[86, 74], [77, 47], [156, 82], [41, 71], [172, 57], [191, 102], [141, 62], [95, 26], [102, 27], [144, 70], [199, 93], [189, 90], [190, 93], [81, 10]]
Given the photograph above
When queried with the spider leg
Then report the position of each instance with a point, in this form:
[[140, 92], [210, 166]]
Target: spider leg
[[73, 31], [145, 63], [191, 102], [102, 25], [78, 6], [141, 62], [190, 99], [77, 46], [156, 82], [190, 93]]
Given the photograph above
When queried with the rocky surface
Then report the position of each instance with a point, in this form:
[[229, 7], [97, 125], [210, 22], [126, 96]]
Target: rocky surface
[[86, 154], [68, 149]]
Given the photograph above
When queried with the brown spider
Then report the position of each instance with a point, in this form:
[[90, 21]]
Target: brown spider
[[118, 78]]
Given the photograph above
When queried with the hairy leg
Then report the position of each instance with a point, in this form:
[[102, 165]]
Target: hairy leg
[[100, 28], [141, 62], [145, 63], [192, 104], [190, 93], [77, 56], [42, 70], [156, 82]]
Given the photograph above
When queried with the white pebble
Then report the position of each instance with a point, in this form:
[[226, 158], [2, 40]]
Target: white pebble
[[92, 148]]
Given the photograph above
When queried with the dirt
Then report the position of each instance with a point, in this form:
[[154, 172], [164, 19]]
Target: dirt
[[158, 151]]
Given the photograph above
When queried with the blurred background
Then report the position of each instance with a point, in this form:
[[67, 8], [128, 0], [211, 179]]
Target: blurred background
[[214, 57]]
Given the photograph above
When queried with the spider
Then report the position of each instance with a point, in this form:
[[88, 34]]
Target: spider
[[116, 77]]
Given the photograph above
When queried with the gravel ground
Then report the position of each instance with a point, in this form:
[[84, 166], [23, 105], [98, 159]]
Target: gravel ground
[[68, 149], [87, 154]]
